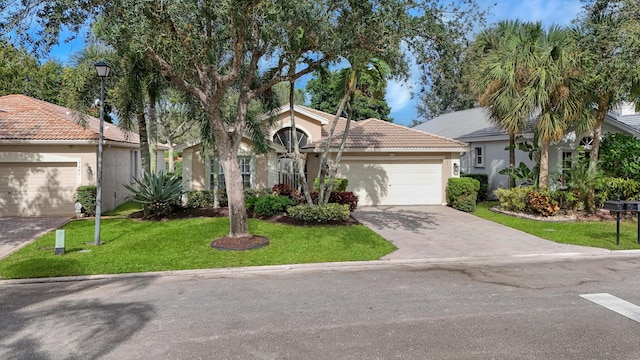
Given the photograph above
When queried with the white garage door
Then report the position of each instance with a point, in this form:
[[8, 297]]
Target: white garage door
[[397, 182], [31, 189]]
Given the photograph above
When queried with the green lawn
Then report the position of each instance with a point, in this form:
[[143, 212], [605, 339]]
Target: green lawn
[[601, 234], [141, 246]]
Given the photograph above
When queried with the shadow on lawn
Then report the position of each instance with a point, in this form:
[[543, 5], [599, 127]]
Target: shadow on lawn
[[68, 319]]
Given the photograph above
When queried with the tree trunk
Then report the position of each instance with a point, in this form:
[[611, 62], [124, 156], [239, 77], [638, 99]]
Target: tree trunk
[[544, 164], [172, 163], [144, 141], [325, 153], [152, 126], [336, 164], [294, 134], [601, 112], [238, 225], [512, 160]]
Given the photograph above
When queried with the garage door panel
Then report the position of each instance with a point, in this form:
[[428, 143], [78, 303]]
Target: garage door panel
[[30, 189], [398, 182]]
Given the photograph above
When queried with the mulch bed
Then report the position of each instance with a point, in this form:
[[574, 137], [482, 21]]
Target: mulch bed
[[600, 215], [242, 243]]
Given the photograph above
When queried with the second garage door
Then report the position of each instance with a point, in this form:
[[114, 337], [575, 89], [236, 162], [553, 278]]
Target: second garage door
[[28, 189], [394, 182]]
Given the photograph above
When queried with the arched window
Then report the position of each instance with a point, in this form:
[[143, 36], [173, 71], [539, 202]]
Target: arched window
[[284, 137]]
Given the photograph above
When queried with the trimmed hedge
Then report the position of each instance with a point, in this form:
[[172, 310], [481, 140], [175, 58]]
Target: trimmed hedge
[[462, 193], [319, 213], [484, 184], [339, 185], [86, 195]]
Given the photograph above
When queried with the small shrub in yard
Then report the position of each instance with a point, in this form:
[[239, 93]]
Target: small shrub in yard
[[516, 199], [567, 200], [269, 205], [608, 188], [157, 192], [319, 213], [339, 184], [484, 184], [542, 203], [342, 197], [462, 193], [200, 198], [86, 195]]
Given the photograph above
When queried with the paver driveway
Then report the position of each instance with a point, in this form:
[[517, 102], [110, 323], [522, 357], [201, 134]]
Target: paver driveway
[[425, 232], [16, 232]]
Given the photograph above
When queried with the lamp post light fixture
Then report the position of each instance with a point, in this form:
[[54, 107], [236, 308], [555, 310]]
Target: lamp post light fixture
[[103, 71]]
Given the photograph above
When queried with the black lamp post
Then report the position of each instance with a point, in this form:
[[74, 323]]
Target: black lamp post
[[103, 71]]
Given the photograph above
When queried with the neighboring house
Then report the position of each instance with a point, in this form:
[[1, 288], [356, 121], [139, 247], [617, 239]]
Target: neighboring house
[[489, 154], [45, 156], [386, 164]]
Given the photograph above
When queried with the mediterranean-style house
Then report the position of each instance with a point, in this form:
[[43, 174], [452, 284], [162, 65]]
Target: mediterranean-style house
[[45, 156], [385, 163], [488, 142]]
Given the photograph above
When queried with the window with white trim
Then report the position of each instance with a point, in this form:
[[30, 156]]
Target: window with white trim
[[244, 163], [478, 156], [568, 157], [135, 172]]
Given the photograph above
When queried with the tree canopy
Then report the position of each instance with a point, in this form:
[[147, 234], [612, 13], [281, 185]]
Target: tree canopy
[[228, 54], [21, 73], [326, 92]]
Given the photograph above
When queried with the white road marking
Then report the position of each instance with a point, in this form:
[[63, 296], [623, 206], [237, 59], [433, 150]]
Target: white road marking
[[615, 304]]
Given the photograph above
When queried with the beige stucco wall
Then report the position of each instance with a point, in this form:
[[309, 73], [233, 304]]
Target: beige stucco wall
[[197, 174]]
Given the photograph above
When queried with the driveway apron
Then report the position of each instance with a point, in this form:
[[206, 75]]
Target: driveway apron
[[426, 232], [16, 232]]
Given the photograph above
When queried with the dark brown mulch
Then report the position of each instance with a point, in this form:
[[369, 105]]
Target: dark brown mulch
[[185, 213], [241, 243]]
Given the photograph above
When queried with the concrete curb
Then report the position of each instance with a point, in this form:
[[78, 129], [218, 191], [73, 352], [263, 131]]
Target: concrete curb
[[340, 266]]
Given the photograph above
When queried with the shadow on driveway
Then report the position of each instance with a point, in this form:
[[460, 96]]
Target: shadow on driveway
[[432, 231]]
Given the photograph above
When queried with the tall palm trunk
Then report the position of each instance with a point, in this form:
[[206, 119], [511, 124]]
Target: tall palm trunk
[[144, 141], [332, 174], [512, 159], [299, 161], [152, 133], [324, 167], [544, 164], [601, 112]]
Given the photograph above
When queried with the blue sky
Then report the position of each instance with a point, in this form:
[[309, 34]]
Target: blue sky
[[403, 107]]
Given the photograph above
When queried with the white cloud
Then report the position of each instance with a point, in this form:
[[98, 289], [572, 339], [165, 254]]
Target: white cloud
[[398, 95]]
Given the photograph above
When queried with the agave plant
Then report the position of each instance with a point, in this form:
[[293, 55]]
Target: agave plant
[[157, 192]]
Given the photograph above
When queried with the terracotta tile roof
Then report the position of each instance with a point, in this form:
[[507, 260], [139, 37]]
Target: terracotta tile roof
[[26, 118], [379, 134]]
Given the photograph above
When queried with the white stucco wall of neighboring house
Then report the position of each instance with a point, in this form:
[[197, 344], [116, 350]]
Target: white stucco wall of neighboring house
[[496, 158]]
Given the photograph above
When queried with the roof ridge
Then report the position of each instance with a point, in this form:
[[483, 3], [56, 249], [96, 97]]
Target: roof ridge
[[425, 132]]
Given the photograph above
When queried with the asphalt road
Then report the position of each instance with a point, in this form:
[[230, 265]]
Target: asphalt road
[[417, 311]]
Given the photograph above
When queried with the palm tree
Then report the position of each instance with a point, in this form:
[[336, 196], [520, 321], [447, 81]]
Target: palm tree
[[502, 55], [554, 89], [361, 65]]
